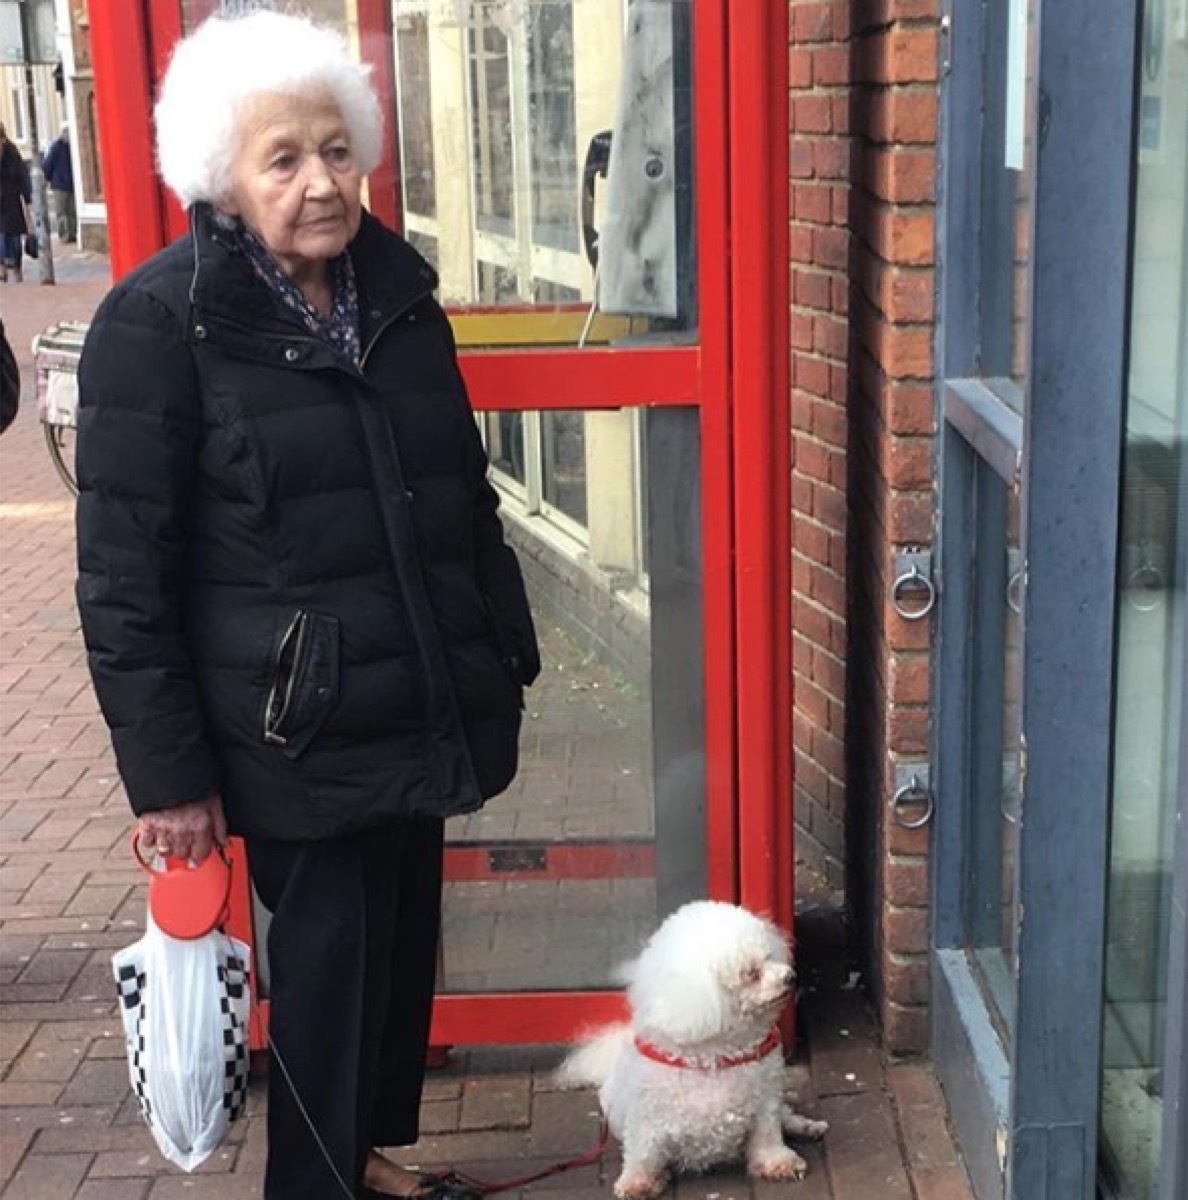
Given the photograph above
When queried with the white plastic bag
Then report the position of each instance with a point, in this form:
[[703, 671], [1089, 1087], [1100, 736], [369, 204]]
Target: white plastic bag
[[185, 1007]]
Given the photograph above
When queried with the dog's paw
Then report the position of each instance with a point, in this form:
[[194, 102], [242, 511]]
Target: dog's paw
[[779, 1167], [805, 1127], [637, 1184]]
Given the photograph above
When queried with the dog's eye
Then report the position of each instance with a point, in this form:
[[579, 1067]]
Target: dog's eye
[[753, 973]]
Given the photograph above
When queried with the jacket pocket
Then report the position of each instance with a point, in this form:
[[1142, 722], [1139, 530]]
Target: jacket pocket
[[303, 689]]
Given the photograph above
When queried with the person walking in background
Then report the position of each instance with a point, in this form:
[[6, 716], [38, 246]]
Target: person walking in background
[[59, 174], [16, 194], [10, 382], [301, 617]]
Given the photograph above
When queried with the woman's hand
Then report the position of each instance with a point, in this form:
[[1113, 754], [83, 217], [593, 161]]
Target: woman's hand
[[188, 831]]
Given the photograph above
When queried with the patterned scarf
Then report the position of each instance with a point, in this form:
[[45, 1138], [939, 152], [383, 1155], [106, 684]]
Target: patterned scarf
[[340, 327]]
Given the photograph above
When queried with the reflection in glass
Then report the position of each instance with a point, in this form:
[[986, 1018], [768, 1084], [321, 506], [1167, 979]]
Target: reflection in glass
[[560, 879], [491, 117], [497, 106], [545, 293], [414, 82], [553, 123], [496, 284], [1007, 176], [554, 462], [995, 696], [1150, 676], [565, 463], [424, 245], [505, 445]]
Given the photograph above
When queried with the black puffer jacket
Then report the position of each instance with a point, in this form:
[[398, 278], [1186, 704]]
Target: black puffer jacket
[[293, 581]]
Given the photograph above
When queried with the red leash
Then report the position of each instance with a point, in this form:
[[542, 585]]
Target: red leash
[[489, 1187]]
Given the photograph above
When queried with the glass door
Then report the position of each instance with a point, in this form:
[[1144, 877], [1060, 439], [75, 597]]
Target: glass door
[[538, 149], [547, 171], [1033, 353], [1144, 1033]]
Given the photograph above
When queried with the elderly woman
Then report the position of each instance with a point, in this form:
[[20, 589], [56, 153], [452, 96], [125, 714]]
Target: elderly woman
[[302, 620]]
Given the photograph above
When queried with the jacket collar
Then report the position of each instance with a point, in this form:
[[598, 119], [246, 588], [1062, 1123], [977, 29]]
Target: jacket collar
[[390, 275]]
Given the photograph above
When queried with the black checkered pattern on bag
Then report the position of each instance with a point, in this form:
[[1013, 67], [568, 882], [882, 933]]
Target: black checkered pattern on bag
[[233, 981], [130, 982]]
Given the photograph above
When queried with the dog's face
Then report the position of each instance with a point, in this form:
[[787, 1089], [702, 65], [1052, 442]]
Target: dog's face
[[761, 982], [713, 977]]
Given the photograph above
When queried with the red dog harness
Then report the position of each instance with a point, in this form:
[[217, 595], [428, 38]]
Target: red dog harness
[[762, 1050]]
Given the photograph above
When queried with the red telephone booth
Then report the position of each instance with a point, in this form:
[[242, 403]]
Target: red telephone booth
[[602, 187]]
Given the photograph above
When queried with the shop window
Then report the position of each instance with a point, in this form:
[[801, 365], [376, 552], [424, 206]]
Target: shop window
[[496, 284], [491, 115], [496, 104], [564, 476], [546, 293], [578, 480], [415, 84], [425, 244], [505, 446], [523, 150], [17, 112], [552, 124]]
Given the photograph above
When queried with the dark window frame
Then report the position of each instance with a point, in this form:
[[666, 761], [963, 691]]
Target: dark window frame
[[1041, 1085]]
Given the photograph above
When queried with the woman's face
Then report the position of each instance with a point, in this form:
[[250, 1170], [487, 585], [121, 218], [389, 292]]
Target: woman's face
[[294, 181]]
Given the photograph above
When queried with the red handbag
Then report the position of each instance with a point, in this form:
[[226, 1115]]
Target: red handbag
[[188, 902]]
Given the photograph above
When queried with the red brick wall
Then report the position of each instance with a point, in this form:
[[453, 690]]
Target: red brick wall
[[820, 244], [864, 112]]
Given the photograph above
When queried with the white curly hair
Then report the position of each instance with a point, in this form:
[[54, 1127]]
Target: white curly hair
[[226, 63]]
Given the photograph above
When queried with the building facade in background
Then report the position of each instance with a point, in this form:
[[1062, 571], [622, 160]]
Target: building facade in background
[[63, 97]]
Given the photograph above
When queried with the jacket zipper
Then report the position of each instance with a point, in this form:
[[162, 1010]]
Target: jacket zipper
[[436, 769], [284, 679], [281, 692]]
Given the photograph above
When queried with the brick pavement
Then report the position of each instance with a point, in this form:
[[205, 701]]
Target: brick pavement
[[69, 897]]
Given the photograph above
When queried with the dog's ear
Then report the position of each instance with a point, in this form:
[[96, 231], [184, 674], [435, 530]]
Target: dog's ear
[[681, 1006]]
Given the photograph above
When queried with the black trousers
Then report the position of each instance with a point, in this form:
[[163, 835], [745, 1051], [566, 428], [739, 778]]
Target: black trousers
[[352, 954]]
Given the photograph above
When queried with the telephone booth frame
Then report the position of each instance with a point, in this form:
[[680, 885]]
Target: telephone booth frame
[[736, 374]]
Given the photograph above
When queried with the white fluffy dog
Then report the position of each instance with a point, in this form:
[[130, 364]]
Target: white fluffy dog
[[697, 1076]]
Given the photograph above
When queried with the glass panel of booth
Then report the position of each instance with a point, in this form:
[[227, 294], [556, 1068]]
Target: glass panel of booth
[[1138, 1103], [545, 164]]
